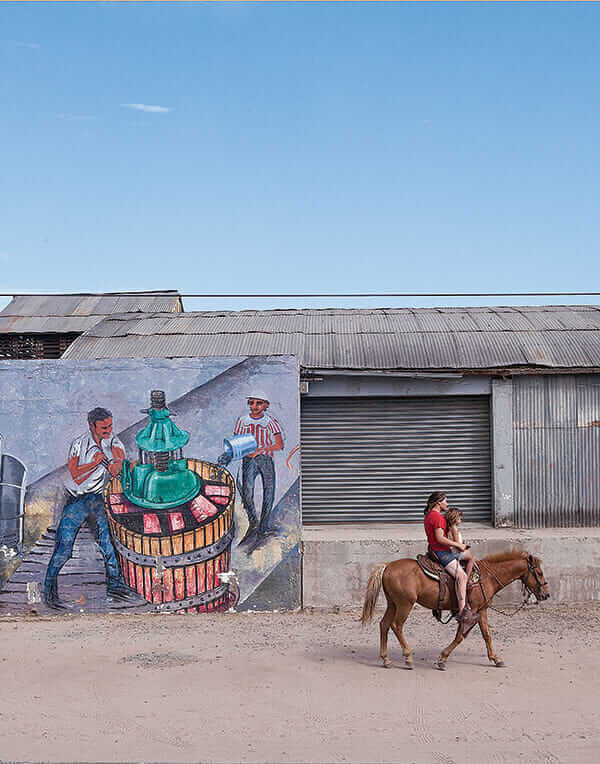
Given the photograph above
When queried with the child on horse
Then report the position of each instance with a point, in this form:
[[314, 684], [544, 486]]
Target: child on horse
[[446, 551], [453, 520]]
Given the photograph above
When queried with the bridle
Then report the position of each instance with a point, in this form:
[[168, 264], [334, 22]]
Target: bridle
[[531, 568]]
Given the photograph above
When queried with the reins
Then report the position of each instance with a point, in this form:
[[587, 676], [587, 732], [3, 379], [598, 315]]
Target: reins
[[526, 591]]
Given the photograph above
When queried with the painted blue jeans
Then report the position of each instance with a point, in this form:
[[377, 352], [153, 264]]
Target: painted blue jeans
[[75, 512], [251, 468]]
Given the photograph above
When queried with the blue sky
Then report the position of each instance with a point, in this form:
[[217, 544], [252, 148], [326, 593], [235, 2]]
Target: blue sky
[[301, 147]]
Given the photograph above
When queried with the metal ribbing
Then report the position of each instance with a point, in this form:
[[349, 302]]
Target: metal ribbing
[[373, 459], [563, 337], [556, 450]]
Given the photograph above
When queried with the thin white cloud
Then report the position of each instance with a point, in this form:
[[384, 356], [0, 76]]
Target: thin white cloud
[[147, 108], [75, 117], [21, 44]]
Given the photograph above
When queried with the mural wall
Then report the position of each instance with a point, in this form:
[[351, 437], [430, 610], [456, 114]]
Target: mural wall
[[154, 484]]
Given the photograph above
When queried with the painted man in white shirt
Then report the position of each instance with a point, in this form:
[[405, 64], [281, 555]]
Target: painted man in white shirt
[[269, 439], [93, 458]]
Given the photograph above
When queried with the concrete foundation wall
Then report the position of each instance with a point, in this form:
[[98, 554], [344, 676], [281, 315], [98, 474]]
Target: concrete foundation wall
[[338, 560]]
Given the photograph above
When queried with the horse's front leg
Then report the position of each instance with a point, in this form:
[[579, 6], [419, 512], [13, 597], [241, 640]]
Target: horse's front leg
[[485, 630], [441, 661]]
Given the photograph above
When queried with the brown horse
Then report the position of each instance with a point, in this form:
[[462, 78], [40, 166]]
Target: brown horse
[[405, 584]]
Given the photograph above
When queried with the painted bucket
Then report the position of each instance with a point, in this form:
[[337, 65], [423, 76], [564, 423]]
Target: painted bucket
[[173, 557], [240, 445]]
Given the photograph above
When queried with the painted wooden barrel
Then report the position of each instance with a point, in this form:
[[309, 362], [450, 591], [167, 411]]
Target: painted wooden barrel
[[173, 557]]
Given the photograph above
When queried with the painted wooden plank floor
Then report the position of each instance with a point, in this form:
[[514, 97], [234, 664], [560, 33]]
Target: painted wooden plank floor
[[81, 583]]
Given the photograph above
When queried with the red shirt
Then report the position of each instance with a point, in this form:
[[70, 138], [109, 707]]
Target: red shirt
[[264, 429], [433, 520]]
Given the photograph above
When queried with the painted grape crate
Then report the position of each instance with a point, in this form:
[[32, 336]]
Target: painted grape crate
[[173, 557]]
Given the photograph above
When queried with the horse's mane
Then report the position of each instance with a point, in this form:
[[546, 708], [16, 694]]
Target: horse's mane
[[506, 555]]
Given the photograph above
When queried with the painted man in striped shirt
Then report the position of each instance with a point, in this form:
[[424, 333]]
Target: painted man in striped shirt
[[269, 439]]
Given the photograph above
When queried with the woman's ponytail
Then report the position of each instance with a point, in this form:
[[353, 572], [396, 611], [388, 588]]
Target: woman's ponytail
[[434, 498]]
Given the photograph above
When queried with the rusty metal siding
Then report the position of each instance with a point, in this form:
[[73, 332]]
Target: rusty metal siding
[[556, 425], [26, 346]]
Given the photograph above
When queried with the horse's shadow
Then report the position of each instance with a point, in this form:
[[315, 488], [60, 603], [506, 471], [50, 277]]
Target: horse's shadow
[[423, 656]]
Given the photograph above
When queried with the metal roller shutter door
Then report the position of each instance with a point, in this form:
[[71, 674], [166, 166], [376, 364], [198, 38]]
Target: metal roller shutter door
[[377, 459]]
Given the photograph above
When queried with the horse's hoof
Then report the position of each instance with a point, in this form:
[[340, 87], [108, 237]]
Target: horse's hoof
[[387, 664], [499, 664], [409, 665], [440, 665]]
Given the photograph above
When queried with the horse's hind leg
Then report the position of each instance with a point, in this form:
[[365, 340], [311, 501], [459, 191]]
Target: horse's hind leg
[[402, 612], [384, 627]]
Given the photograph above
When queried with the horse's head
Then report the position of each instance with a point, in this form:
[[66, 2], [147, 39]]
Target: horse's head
[[533, 579]]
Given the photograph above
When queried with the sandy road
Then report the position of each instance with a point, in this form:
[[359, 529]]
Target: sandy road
[[297, 688]]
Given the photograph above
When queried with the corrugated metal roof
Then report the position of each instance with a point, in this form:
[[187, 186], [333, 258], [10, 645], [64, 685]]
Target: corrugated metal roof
[[46, 324], [31, 314], [559, 337]]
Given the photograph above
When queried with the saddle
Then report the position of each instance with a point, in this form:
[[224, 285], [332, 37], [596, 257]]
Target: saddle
[[432, 569]]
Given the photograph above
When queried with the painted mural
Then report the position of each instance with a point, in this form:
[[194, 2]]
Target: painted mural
[[151, 485]]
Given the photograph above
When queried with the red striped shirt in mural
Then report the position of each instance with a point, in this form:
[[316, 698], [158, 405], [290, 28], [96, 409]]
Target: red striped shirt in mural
[[264, 429], [269, 438]]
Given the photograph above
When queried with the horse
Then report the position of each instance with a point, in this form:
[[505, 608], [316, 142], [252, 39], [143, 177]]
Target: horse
[[405, 584]]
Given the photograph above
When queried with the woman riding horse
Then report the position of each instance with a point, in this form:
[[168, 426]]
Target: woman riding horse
[[405, 584], [443, 548]]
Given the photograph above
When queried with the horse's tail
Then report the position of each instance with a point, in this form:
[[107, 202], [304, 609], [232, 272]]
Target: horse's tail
[[373, 589]]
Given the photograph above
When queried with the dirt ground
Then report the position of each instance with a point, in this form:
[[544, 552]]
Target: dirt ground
[[269, 687]]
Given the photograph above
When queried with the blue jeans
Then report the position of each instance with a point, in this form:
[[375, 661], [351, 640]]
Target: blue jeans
[[446, 557], [76, 511], [251, 468]]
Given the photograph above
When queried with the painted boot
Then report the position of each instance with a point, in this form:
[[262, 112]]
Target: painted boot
[[119, 590], [51, 595], [250, 534]]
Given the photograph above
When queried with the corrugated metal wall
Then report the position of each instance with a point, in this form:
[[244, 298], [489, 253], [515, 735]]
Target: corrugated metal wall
[[372, 459], [556, 450]]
